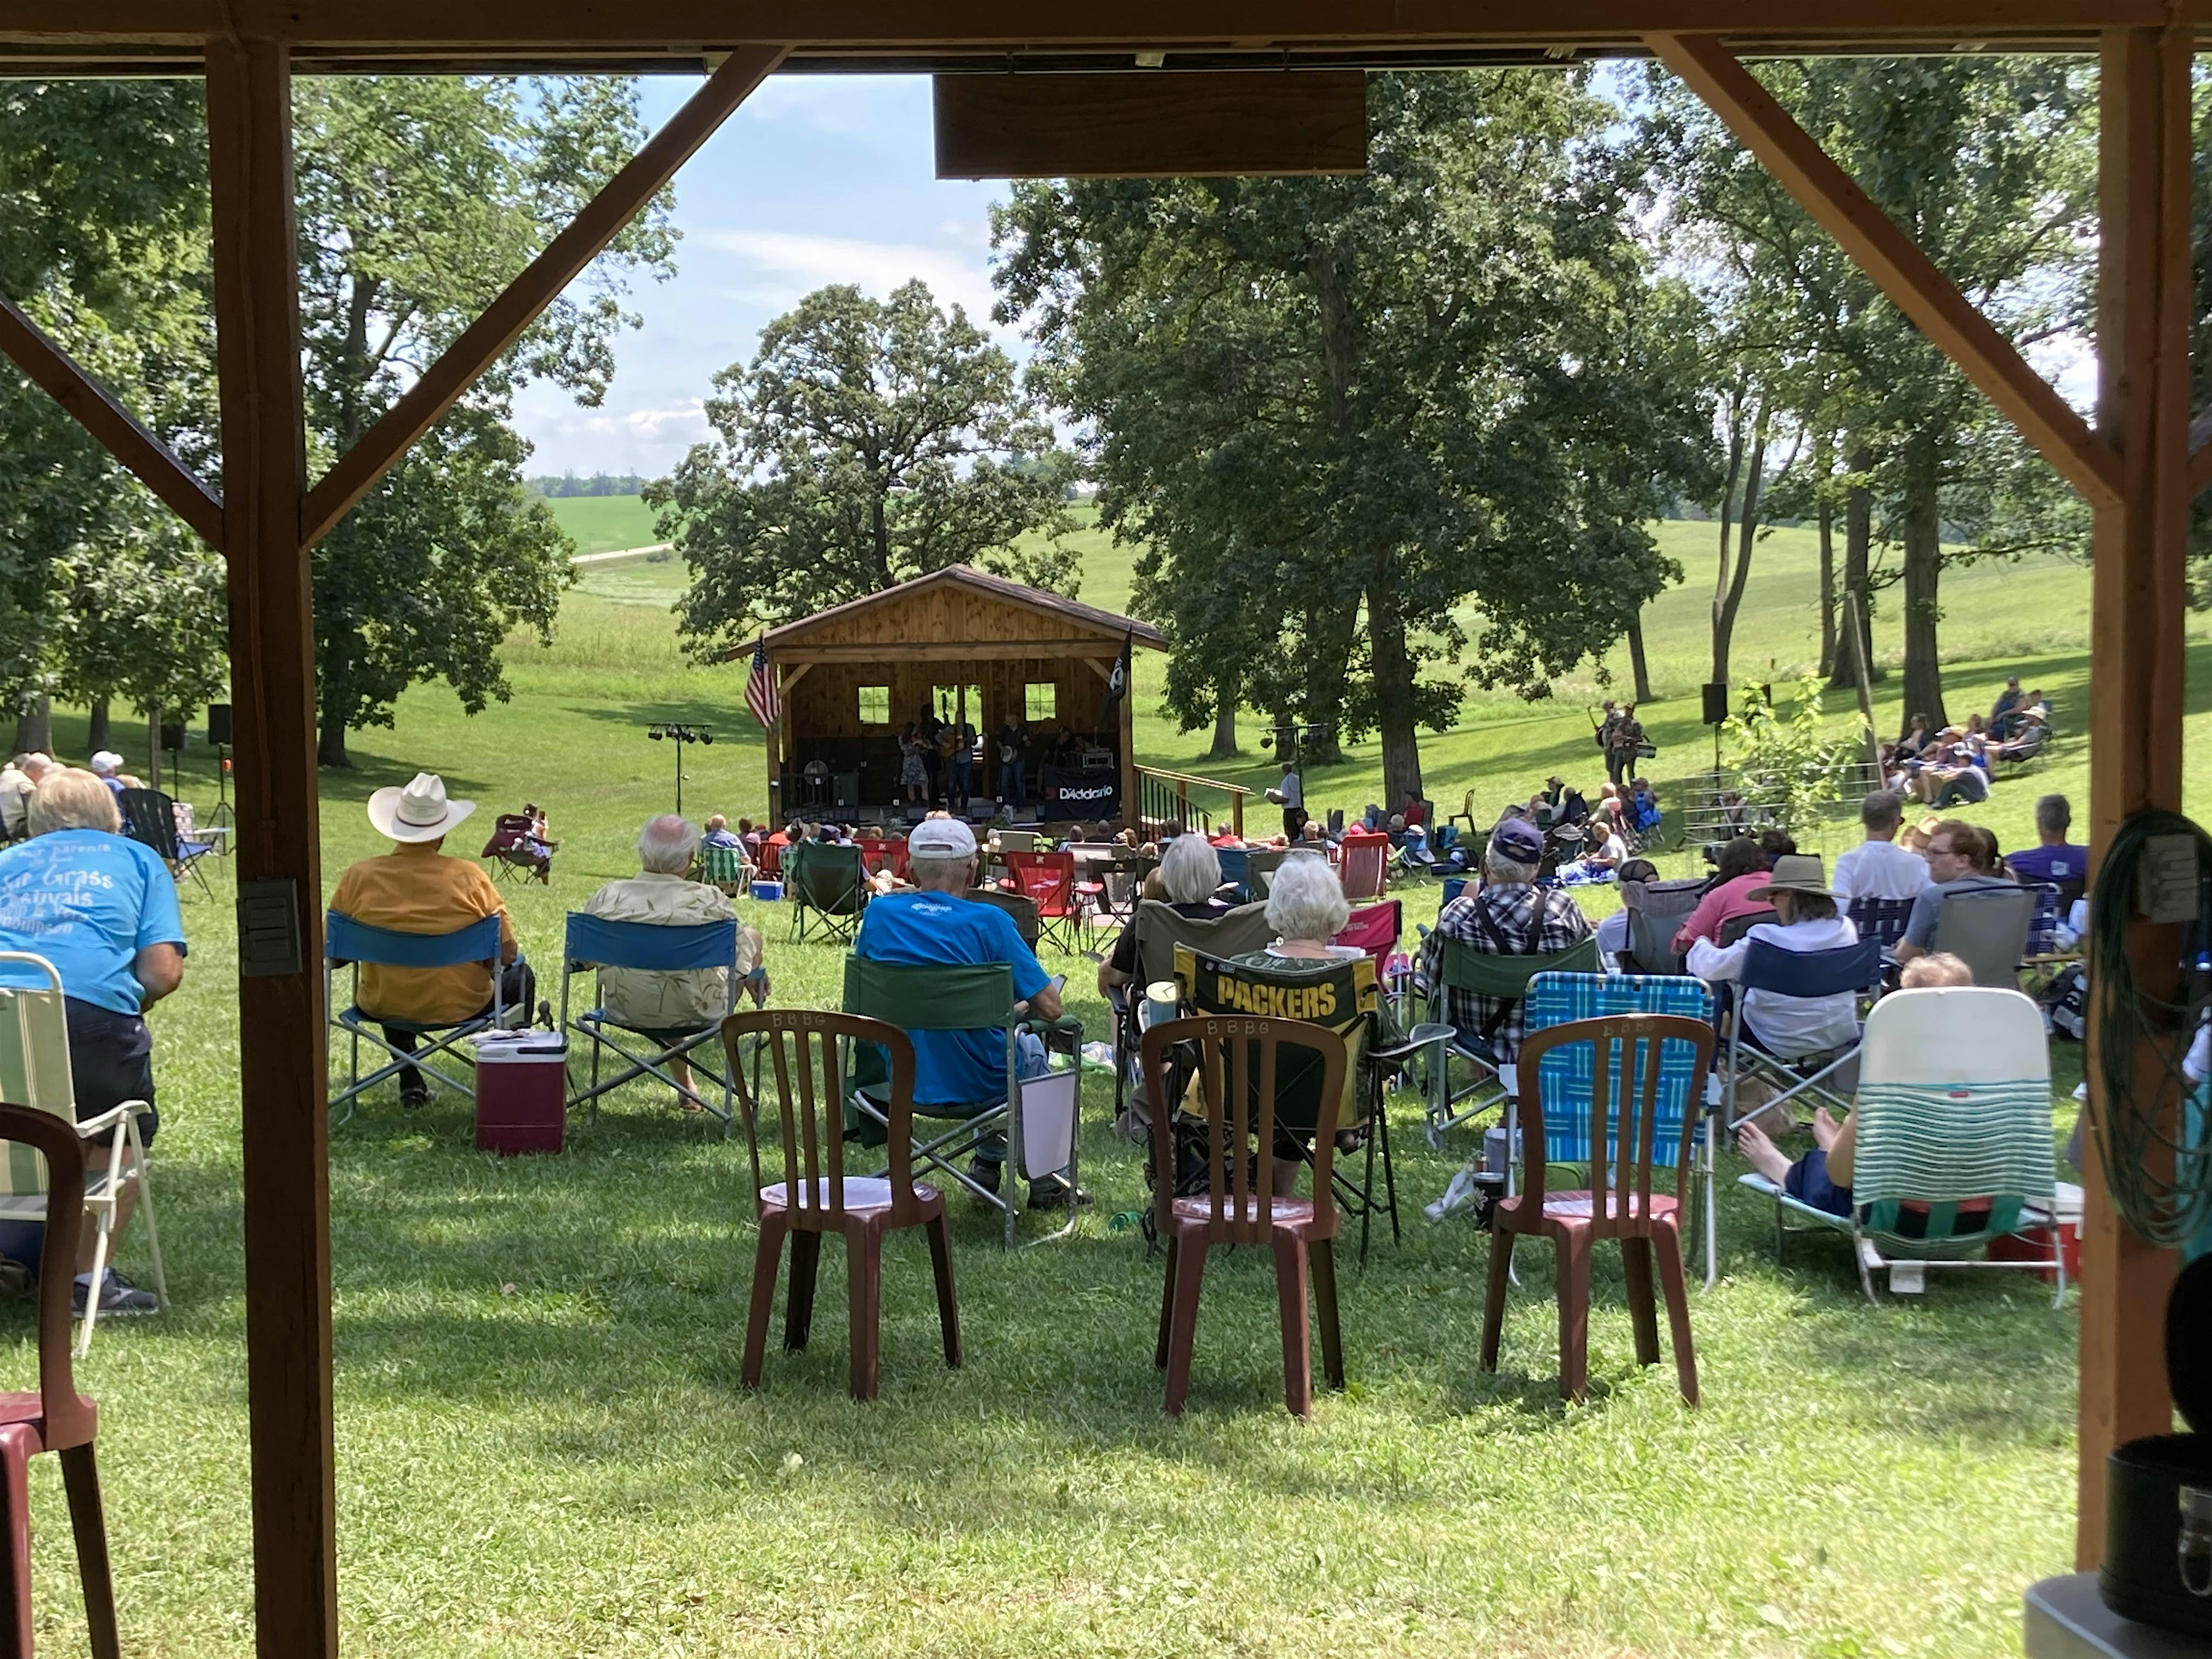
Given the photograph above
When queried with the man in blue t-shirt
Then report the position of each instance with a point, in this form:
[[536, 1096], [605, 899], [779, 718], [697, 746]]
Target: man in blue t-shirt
[[959, 1073], [2056, 859], [103, 910]]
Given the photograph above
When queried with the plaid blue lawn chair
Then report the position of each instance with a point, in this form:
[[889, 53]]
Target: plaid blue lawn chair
[[1568, 1072], [2049, 915], [595, 942]]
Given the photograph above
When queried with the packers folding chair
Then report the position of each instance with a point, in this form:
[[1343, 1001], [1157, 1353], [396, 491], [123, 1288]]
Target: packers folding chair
[[1161, 931], [1820, 1074], [1504, 979], [1040, 1117], [649, 947], [34, 1072], [349, 943]]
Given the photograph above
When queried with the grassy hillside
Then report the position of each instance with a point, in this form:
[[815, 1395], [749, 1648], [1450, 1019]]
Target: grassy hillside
[[601, 524]]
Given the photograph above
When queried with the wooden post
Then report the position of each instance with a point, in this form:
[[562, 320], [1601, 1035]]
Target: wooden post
[[2135, 677], [1133, 815], [282, 1083]]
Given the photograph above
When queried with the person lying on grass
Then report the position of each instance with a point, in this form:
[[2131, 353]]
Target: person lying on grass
[[1822, 1178]]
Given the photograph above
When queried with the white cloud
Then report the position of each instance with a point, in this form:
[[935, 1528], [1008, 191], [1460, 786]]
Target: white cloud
[[782, 266], [686, 424]]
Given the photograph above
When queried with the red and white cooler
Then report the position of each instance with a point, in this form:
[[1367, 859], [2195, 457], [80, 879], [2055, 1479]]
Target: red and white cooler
[[522, 1092]]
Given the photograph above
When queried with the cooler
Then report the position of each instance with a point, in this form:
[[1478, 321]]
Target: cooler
[[522, 1092], [2035, 1244]]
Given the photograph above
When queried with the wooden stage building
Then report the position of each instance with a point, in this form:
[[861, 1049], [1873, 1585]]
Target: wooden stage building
[[964, 646]]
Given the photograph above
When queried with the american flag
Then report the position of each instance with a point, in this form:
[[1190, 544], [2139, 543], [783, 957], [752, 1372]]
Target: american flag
[[760, 689]]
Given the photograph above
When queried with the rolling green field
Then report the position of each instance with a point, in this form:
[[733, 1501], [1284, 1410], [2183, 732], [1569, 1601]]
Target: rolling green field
[[600, 524], [544, 1448]]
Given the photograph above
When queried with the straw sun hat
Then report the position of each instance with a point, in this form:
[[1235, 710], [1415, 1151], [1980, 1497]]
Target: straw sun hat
[[1795, 872]]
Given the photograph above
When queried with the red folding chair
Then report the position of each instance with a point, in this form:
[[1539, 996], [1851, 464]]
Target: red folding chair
[[1362, 862], [1375, 929], [1048, 879], [878, 851]]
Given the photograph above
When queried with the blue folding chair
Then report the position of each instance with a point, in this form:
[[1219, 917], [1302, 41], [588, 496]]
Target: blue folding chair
[[2050, 914], [649, 947], [349, 943], [1883, 920], [1237, 872]]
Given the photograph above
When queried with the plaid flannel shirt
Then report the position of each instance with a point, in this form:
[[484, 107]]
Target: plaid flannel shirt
[[1501, 920]]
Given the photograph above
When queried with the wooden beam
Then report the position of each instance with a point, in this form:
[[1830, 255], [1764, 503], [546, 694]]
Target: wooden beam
[[282, 1079], [521, 302], [2138, 575], [1139, 127], [2200, 454], [941, 651], [1896, 263], [115, 428], [670, 27]]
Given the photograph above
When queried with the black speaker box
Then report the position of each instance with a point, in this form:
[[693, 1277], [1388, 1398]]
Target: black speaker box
[[172, 737], [219, 723], [1716, 708]]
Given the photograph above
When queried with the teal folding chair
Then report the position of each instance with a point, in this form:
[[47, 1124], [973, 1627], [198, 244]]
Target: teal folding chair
[[1504, 979], [828, 884]]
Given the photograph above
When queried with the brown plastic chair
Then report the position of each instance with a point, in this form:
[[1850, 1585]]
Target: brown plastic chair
[[1237, 1060], [1618, 1202], [816, 1196], [57, 1418]]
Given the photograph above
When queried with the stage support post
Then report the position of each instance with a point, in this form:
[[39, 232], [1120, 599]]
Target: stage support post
[[2136, 671], [283, 1085]]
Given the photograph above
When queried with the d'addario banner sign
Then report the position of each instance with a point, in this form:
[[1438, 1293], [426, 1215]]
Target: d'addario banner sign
[[1094, 792]]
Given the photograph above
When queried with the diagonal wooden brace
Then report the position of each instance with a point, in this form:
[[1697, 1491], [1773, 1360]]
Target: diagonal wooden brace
[[1885, 254], [117, 429], [522, 300]]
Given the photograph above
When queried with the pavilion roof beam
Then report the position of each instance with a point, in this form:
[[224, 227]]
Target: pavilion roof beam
[[1894, 261], [117, 429], [522, 301]]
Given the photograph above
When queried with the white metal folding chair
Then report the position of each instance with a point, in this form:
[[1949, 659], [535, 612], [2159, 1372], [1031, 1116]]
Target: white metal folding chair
[[34, 1071]]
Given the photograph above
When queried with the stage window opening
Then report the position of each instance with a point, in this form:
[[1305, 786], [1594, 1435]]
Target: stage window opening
[[1040, 701], [958, 703], [875, 705]]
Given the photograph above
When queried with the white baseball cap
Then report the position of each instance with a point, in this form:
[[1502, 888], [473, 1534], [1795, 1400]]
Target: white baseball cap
[[107, 761], [941, 838]]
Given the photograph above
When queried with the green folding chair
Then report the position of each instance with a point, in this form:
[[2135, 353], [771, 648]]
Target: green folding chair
[[34, 1072], [1504, 979], [723, 867], [828, 884], [1040, 1117]]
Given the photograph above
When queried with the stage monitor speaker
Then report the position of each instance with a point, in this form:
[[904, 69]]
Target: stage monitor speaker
[[1716, 708], [845, 787], [172, 737], [219, 723]]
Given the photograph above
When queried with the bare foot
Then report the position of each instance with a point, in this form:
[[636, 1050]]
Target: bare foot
[[1824, 1128], [1763, 1154]]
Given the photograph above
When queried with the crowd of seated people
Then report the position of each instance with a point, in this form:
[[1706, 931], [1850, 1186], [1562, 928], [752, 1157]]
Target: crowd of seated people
[[1958, 764]]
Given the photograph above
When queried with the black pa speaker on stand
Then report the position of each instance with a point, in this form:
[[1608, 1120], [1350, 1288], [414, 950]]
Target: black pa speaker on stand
[[1716, 696], [220, 740]]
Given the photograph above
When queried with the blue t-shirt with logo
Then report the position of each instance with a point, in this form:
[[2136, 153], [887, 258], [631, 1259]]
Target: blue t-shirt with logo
[[2054, 863], [88, 902], [951, 1068]]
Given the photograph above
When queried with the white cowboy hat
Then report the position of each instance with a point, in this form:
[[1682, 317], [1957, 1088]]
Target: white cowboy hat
[[418, 812]]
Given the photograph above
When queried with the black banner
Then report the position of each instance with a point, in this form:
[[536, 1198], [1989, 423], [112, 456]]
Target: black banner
[[1086, 793]]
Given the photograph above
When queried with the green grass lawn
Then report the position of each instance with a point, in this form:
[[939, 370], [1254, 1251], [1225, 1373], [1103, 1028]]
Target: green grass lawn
[[601, 524], [543, 1449]]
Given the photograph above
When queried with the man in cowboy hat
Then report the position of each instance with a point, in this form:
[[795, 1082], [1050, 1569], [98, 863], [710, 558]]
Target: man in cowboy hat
[[412, 889], [1805, 919]]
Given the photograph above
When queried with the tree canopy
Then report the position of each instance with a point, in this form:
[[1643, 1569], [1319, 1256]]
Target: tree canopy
[[869, 442]]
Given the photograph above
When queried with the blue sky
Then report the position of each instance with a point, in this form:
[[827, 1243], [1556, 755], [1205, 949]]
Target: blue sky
[[815, 179]]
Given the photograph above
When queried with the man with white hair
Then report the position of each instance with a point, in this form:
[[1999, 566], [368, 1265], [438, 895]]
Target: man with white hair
[[1189, 876], [1509, 915], [412, 890], [960, 1074], [103, 910], [668, 1005], [17, 780]]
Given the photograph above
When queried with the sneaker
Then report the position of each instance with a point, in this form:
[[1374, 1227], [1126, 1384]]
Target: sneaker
[[984, 1172], [414, 1099], [118, 1296], [1053, 1193]]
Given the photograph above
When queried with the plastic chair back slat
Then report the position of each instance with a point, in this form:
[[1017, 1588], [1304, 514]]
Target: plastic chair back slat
[[803, 1046]]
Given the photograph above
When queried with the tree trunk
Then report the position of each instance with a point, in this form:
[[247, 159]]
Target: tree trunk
[[1923, 564], [1328, 659], [1858, 552], [1827, 587], [330, 741], [154, 749], [1727, 603], [1225, 722], [1639, 671], [34, 728], [96, 728], [1728, 510], [1392, 666]]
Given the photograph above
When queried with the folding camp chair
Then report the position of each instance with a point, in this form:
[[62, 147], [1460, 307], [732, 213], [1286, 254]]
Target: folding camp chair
[[150, 817], [1237, 873], [1882, 920], [595, 942], [2043, 924], [347, 941], [1987, 928], [1259, 866], [1945, 1127], [1048, 880], [1022, 909], [828, 884], [1505, 980], [1656, 910], [881, 853], [515, 851], [1040, 1117], [1362, 857], [1824, 1074], [1375, 929], [1342, 995], [723, 868], [1161, 931], [34, 1072]]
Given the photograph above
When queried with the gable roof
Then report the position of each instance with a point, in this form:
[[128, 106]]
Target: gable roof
[[1086, 618]]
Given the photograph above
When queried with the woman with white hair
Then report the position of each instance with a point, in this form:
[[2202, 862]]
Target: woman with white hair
[[667, 1005], [1307, 908], [1189, 876]]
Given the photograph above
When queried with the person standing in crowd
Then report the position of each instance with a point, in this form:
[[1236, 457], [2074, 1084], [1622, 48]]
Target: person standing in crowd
[[2053, 858], [1291, 793], [103, 910], [959, 778], [1620, 748], [1878, 868]]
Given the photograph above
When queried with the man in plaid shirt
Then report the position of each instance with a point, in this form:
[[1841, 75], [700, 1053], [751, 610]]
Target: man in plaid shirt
[[1509, 916]]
